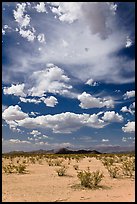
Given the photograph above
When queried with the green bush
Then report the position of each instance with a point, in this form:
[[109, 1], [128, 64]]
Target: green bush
[[128, 168], [9, 168], [113, 171], [21, 168], [90, 179]]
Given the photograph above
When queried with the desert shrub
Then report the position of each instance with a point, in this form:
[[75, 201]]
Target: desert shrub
[[58, 162], [21, 168], [113, 171], [90, 179], [128, 168], [75, 167], [32, 160], [50, 162], [9, 168], [61, 171], [108, 161]]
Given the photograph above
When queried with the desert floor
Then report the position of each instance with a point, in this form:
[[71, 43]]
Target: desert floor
[[42, 184]]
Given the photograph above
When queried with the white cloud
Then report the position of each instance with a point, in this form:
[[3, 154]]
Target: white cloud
[[22, 19], [124, 109], [92, 13], [28, 100], [35, 133], [89, 101], [68, 11], [40, 7], [105, 140], [132, 106], [129, 94], [91, 82], [94, 55], [111, 116], [13, 113], [64, 122], [17, 141], [52, 80], [129, 127], [128, 42], [50, 101], [41, 38], [27, 34], [17, 90]]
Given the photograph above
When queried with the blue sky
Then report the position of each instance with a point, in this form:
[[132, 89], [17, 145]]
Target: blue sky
[[68, 75]]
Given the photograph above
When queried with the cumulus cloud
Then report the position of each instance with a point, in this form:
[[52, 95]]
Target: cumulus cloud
[[28, 100], [111, 116], [129, 127], [20, 17], [66, 122], [50, 101], [52, 80], [17, 141], [27, 34], [14, 113], [40, 7], [129, 94], [91, 82], [89, 101], [124, 109], [17, 90]]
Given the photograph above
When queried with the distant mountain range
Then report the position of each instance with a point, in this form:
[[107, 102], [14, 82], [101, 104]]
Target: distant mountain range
[[99, 150]]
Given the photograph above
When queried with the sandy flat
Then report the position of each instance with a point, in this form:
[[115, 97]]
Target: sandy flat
[[42, 184]]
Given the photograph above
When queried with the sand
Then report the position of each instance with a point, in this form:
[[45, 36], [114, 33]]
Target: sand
[[42, 184]]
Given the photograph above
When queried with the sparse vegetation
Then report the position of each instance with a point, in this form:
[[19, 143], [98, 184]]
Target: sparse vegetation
[[128, 167]]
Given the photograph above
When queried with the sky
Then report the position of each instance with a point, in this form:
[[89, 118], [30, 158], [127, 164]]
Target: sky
[[68, 75]]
